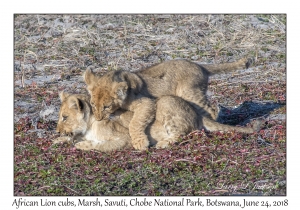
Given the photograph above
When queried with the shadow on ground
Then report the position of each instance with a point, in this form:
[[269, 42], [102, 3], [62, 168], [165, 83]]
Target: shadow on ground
[[247, 111]]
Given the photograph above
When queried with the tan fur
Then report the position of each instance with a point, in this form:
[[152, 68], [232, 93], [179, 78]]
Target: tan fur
[[110, 101], [173, 117], [133, 91], [76, 119]]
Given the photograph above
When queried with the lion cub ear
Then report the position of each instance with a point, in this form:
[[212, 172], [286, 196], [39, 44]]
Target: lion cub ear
[[76, 103], [63, 95], [89, 78], [120, 90]]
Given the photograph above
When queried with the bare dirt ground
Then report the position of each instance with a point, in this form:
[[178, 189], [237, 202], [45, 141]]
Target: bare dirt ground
[[52, 51]]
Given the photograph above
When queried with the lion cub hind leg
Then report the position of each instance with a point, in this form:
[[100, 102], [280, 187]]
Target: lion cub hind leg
[[173, 128], [144, 112], [198, 100], [177, 118]]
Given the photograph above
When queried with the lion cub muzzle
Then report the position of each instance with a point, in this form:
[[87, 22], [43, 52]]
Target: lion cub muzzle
[[63, 132]]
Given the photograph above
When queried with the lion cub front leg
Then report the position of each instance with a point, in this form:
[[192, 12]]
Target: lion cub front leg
[[144, 112], [62, 139], [86, 145], [83, 145], [73, 140]]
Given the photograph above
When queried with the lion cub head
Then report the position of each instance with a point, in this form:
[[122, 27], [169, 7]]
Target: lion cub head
[[108, 93], [74, 114]]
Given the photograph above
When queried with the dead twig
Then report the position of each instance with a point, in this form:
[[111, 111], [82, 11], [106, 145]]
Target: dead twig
[[71, 189], [41, 188], [185, 160]]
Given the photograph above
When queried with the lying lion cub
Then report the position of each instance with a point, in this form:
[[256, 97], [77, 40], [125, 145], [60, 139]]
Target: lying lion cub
[[174, 117], [76, 119], [135, 91]]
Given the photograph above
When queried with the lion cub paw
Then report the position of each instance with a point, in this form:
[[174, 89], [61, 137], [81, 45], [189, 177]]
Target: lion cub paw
[[61, 139], [162, 144], [141, 143], [84, 145]]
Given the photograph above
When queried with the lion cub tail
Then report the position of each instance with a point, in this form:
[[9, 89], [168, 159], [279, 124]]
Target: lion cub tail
[[243, 63], [212, 125]]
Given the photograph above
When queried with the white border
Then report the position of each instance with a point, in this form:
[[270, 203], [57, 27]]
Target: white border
[[153, 6]]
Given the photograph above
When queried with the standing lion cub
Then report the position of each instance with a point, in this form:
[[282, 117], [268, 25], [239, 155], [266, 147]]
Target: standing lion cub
[[173, 117], [135, 91]]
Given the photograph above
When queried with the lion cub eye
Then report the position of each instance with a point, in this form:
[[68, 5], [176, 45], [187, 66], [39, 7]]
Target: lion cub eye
[[64, 118]]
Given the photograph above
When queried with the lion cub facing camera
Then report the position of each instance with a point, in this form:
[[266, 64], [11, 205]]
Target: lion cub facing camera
[[136, 91], [173, 117]]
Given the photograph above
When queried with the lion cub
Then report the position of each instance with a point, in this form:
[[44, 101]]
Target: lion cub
[[76, 119], [136, 91], [173, 117]]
